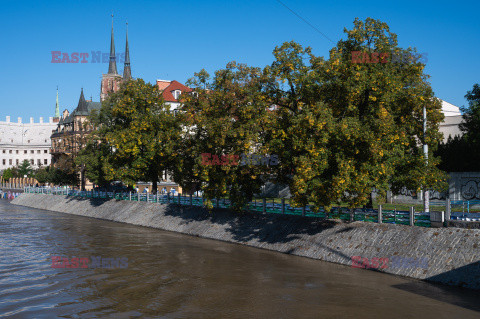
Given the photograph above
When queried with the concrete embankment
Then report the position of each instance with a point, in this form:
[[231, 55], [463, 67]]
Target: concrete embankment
[[448, 255]]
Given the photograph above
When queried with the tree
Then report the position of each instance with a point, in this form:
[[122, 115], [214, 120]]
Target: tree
[[462, 153], [92, 158], [25, 169], [10, 172], [64, 173], [345, 128], [226, 117], [41, 175], [471, 116], [136, 133], [471, 128]]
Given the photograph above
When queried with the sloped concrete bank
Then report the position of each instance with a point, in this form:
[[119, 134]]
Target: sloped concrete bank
[[448, 255]]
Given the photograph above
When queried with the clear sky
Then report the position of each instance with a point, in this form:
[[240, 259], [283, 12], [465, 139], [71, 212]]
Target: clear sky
[[173, 39]]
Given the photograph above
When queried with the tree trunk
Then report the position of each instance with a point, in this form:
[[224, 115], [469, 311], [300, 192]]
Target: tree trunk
[[82, 177], [154, 186], [370, 201]]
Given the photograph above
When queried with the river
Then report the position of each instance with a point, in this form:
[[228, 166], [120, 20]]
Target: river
[[159, 274]]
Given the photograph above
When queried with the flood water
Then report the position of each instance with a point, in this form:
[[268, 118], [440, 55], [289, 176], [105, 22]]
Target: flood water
[[171, 275]]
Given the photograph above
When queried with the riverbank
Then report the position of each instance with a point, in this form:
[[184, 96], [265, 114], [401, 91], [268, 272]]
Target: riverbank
[[452, 255]]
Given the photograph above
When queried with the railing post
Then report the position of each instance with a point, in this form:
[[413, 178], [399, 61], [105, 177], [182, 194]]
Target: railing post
[[179, 199], [217, 202], [412, 216], [191, 199], [379, 214], [264, 205], [283, 205], [303, 210]]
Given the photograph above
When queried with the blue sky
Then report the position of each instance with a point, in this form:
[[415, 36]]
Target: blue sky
[[173, 39]]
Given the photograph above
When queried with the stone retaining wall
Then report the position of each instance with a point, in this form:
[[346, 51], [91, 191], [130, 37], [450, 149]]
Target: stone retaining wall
[[452, 254]]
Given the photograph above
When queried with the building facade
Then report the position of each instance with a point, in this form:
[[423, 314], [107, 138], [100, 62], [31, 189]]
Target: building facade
[[171, 91], [25, 141], [70, 134], [72, 130], [450, 127]]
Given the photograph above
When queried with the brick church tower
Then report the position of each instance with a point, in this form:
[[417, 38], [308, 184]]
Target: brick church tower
[[111, 80]]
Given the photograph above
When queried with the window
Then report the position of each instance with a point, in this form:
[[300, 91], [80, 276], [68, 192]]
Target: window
[[32, 151], [45, 161], [25, 152], [17, 162], [176, 94], [39, 162], [17, 151], [10, 161], [4, 162], [31, 162], [10, 152], [39, 151], [3, 152], [28, 141], [45, 151]]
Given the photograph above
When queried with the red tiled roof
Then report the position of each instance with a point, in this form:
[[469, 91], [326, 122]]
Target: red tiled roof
[[162, 84], [174, 85]]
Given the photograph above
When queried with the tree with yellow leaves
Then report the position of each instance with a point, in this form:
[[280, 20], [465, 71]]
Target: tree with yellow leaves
[[137, 133]]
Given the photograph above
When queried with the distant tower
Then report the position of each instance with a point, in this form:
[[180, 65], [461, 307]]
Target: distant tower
[[111, 80], [127, 72], [56, 118]]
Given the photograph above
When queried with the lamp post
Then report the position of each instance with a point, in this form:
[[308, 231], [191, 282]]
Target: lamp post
[[426, 195]]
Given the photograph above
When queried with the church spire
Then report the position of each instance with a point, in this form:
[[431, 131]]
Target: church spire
[[112, 66], [127, 72], [57, 107]]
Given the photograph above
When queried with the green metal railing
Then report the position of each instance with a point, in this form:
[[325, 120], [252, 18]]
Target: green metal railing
[[260, 206]]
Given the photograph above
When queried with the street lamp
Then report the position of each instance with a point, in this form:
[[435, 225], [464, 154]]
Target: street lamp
[[426, 194]]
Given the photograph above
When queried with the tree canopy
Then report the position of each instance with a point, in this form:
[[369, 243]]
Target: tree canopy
[[134, 137], [341, 127], [462, 153]]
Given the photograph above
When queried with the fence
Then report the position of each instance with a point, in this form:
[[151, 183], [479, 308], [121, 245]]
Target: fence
[[261, 206]]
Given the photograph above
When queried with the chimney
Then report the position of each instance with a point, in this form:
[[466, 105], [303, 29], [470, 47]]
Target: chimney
[[8, 119], [41, 119], [19, 120], [31, 120]]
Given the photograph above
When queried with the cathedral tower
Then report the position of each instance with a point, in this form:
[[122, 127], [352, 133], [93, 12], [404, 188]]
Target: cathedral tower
[[111, 80], [127, 72]]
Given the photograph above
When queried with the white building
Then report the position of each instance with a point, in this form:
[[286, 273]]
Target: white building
[[453, 118], [171, 91], [25, 141]]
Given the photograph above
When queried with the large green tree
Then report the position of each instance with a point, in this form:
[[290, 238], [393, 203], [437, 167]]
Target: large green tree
[[225, 117], [135, 136], [25, 169], [462, 153], [92, 159], [65, 172], [346, 128]]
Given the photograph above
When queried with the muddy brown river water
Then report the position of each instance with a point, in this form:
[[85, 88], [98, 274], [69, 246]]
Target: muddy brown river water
[[137, 272]]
